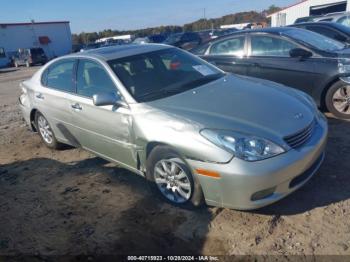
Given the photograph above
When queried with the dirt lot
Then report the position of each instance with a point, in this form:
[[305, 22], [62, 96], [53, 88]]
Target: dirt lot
[[71, 202]]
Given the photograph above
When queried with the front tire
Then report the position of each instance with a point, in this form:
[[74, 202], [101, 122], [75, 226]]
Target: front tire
[[171, 178], [45, 131], [338, 100]]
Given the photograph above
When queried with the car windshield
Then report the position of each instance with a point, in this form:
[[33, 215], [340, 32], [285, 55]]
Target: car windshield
[[314, 40], [162, 73], [342, 28]]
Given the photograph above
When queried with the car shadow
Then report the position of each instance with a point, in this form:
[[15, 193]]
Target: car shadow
[[8, 70], [331, 184], [95, 207]]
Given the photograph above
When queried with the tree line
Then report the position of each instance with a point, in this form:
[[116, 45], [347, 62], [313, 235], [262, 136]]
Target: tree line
[[201, 24]]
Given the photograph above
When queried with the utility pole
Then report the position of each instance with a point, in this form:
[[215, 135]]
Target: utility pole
[[204, 13]]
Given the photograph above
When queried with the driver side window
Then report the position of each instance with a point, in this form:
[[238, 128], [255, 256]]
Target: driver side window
[[92, 78]]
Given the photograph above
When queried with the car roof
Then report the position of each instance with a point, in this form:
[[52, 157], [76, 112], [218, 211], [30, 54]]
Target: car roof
[[269, 30], [338, 14], [120, 51], [333, 24], [341, 27]]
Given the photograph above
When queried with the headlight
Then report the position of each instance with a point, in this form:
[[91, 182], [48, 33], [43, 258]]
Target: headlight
[[243, 146], [344, 66]]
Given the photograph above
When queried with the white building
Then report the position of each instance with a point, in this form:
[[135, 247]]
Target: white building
[[54, 37], [305, 8]]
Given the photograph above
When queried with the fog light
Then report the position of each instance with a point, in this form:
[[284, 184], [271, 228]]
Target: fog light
[[263, 194]]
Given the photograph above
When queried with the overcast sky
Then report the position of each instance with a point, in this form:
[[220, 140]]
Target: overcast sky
[[96, 15]]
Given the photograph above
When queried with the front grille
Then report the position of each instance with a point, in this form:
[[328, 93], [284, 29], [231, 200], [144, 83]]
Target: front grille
[[298, 139]]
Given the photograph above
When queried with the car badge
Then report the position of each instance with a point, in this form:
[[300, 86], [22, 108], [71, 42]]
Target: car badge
[[298, 116]]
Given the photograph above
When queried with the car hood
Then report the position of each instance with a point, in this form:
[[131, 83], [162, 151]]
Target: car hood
[[242, 104]]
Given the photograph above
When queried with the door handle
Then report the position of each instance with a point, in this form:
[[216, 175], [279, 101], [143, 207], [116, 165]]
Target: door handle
[[40, 96], [76, 106]]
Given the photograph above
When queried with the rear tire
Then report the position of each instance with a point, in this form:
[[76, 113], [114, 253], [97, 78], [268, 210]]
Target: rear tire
[[180, 187], [45, 132], [338, 100]]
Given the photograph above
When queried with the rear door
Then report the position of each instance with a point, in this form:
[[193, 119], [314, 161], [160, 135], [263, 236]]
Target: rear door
[[104, 130], [51, 98], [270, 56], [229, 54]]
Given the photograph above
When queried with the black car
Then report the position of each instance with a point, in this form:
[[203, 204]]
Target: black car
[[186, 40], [295, 57], [305, 19], [158, 38], [29, 57], [332, 30]]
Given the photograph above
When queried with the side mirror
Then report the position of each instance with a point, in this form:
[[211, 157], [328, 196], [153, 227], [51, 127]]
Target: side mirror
[[300, 53], [107, 99]]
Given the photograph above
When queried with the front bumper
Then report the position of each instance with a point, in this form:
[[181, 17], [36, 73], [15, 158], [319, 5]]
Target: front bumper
[[240, 180]]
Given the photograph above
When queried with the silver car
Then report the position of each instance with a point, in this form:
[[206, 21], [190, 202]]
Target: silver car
[[195, 133]]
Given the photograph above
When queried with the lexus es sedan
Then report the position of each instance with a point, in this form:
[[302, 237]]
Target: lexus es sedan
[[295, 57], [195, 133]]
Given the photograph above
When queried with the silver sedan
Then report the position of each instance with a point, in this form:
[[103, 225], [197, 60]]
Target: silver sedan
[[195, 133]]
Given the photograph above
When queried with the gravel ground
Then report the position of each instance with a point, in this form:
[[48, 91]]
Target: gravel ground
[[70, 202]]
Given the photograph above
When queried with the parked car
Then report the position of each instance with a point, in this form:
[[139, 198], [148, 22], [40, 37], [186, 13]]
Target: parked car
[[12, 55], [29, 57], [77, 47], [332, 30], [305, 19], [205, 35], [340, 18], [295, 57], [157, 38], [187, 40], [90, 46], [222, 32], [194, 132], [150, 39]]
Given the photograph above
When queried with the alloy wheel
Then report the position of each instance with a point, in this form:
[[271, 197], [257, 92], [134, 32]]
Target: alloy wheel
[[45, 130], [172, 181], [341, 100]]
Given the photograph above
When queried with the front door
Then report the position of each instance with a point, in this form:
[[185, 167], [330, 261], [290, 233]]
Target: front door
[[104, 130], [271, 59]]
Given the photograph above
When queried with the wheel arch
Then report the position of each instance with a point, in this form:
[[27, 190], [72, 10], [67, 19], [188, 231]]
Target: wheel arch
[[32, 119], [323, 94], [153, 144]]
